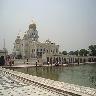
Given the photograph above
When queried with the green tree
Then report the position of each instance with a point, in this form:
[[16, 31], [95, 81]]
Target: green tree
[[76, 52], [71, 53], [64, 52], [92, 49], [83, 52]]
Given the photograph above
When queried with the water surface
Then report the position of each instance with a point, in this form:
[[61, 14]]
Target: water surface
[[84, 75]]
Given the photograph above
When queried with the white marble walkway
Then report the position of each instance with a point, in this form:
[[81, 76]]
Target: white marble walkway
[[13, 83], [14, 87]]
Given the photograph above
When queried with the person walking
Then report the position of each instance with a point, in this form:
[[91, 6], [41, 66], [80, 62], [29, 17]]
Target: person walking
[[36, 64], [27, 60]]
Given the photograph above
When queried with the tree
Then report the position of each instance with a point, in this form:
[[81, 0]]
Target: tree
[[92, 49], [76, 52], [71, 53], [64, 52], [83, 52]]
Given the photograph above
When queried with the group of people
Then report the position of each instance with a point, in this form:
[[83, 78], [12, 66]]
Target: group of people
[[6, 61]]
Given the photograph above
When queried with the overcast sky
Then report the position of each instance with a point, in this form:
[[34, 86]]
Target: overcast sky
[[69, 23]]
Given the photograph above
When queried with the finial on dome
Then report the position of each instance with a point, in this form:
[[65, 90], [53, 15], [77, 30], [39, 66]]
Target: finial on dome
[[18, 35], [33, 25], [33, 22]]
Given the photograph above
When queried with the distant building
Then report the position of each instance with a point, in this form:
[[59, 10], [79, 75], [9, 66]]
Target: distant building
[[30, 47]]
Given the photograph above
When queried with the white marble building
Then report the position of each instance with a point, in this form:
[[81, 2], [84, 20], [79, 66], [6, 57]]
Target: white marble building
[[30, 47]]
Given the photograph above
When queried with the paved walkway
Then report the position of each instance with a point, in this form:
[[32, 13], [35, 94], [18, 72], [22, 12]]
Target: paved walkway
[[29, 65], [13, 87]]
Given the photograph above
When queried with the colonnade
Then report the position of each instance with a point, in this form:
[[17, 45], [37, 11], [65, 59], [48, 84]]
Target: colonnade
[[70, 59]]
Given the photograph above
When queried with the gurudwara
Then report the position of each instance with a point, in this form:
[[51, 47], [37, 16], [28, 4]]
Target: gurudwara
[[30, 47]]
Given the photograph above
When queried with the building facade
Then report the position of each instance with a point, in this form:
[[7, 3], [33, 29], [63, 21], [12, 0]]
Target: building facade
[[48, 52], [30, 47]]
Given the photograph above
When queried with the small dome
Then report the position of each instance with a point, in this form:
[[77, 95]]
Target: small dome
[[32, 26], [25, 36], [18, 36], [48, 41]]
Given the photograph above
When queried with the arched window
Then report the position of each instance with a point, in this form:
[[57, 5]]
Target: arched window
[[44, 49], [56, 50]]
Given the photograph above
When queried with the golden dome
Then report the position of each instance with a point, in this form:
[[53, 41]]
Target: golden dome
[[32, 26]]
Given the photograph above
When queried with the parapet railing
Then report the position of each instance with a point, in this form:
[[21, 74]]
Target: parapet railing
[[60, 86]]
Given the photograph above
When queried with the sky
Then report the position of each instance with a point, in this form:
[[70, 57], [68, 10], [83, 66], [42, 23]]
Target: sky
[[69, 23]]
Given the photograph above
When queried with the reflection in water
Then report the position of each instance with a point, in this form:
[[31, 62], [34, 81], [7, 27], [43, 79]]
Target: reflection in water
[[84, 75], [92, 75]]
